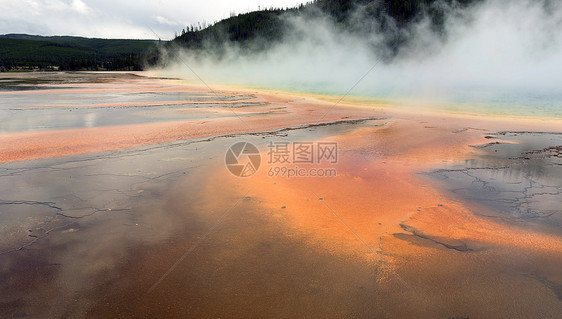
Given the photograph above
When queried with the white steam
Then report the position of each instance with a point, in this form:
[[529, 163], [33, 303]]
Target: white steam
[[502, 51]]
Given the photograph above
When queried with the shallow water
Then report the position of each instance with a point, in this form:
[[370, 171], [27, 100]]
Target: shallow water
[[67, 110], [518, 174], [84, 232], [164, 230], [469, 100]]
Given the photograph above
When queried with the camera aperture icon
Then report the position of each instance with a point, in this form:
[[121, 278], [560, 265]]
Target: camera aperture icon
[[243, 159]]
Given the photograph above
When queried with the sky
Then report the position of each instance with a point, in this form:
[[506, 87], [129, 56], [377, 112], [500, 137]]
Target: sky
[[120, 18]]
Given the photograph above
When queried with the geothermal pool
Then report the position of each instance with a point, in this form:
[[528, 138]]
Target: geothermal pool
[[116, 201]]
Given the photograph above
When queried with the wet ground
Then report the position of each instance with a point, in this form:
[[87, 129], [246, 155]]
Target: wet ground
[[518, 174], [423, 220], [47, 110], [90, 235]]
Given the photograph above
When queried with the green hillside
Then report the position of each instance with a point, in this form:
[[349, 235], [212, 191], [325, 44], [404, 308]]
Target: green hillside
[[19, 51], [252, 31], [260, 29]]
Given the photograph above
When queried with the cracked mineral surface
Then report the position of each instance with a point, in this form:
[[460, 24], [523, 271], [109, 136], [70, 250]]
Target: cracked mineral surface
[[115, 202], [521, 177]]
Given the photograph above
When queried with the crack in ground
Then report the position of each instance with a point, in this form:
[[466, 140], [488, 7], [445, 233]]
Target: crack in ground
[[60, 213], [458, 246], [31, 203]]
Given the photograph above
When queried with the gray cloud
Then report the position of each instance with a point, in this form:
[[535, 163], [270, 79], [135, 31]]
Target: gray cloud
[[118, 19]]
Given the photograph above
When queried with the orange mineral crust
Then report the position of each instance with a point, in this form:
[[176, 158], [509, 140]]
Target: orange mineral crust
[[379, 209], [171, 232], [378, 191], [263, 112]]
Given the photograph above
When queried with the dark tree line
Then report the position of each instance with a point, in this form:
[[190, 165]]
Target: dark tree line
[[263, 24], [131, 62], [261, 29], [254, 31], [23, 52]]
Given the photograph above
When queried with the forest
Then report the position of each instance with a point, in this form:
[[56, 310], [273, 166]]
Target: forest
[[259, 30], [253, 31], [28, 52]]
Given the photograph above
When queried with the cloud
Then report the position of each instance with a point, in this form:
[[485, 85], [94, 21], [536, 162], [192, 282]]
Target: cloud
[[80, 7], [162, 20], [118, 18]]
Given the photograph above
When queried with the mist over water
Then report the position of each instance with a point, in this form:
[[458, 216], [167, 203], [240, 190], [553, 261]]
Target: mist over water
[[497, 57]]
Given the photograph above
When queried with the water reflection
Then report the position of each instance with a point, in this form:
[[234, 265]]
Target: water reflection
[[84, 225], [68, 107], [517, 174]]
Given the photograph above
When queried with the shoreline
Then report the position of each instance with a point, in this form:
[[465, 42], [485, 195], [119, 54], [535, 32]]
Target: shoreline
[[272, 110], [400, 106]]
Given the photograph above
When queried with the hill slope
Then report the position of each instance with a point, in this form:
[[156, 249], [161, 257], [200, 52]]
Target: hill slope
[[71, 53], [361, 17]]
